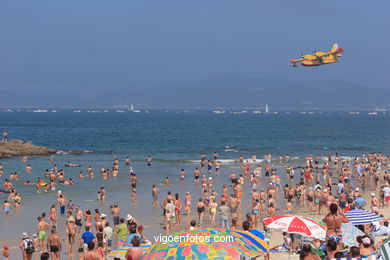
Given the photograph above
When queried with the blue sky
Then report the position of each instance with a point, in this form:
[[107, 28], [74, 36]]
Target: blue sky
[[57, 46]]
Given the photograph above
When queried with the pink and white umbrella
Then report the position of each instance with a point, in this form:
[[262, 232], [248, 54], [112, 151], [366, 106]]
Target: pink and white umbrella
[[298, 225]]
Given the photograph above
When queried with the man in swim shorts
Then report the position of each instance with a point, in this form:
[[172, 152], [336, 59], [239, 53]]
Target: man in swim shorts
[[42, 227], [54, 243], [6, 207]]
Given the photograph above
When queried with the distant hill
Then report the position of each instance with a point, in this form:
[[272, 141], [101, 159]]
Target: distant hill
[[246, 92], [222, 92]]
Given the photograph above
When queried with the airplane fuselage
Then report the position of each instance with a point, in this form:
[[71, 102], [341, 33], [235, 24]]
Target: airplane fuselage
[[312, 60]]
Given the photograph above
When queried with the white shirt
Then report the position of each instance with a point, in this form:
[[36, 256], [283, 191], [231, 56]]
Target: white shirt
[[170, 208], [107, 233], [386, 190], [340, 186]]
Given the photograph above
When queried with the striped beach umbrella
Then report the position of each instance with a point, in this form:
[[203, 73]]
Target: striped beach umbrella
[[361, 217], [297, 225], [208, 244], [384, 249]]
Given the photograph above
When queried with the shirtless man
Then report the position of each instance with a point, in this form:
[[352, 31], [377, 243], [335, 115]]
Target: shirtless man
[[155, 192], [91, 254], [62, 202], [270, 210], [307, 253], [6, 207], [196, 175], [42, 227], [133, 180], [79, 219], [54, 244], [115, 211], [263, 199], [149, 160], [255, 195], [234, 203], [182, 175], [217, 166], [28, 169], [233, 178]]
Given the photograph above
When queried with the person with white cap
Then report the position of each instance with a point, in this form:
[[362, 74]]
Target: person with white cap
[[27, 247], [131, 221], [386, 191], [356, 193], [210, 182]]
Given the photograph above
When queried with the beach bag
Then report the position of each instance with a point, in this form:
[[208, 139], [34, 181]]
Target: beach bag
[[30, 249]]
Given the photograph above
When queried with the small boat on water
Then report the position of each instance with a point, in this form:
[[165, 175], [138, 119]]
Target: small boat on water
[[219, 111]]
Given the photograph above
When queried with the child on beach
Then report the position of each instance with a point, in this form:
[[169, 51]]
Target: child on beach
[[6, 252]]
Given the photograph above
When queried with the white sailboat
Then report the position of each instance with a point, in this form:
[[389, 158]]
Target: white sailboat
[[266, 109], [134, 110]]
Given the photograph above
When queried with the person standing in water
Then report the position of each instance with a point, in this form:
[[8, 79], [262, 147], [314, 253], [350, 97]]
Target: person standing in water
[[149, 160], [196, 175], [5, 136], [182, 175], [54, 244], [155, 192], [6, 207], [42, 227]]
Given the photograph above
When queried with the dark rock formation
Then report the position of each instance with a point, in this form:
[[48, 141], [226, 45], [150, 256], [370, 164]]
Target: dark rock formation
[[15, 148]]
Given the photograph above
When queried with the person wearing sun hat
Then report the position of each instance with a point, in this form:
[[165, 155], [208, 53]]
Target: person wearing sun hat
[[27, 247]]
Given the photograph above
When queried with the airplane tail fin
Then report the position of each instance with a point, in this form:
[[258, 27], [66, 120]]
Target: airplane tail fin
[[334, 47]]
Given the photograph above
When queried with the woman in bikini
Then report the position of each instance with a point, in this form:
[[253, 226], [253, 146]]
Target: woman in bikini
[[333, 221], [53, 216], [88, 218], [177, 208], [187, 203]]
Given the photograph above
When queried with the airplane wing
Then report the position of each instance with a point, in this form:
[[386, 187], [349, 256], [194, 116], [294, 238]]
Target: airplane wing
[[298, 60], [332, 52]]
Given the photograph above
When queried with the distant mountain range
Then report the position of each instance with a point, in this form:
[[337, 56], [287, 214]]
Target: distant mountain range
[[233, 92]]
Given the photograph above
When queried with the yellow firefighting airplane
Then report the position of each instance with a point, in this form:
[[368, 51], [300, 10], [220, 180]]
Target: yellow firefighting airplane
[[319, 58]]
